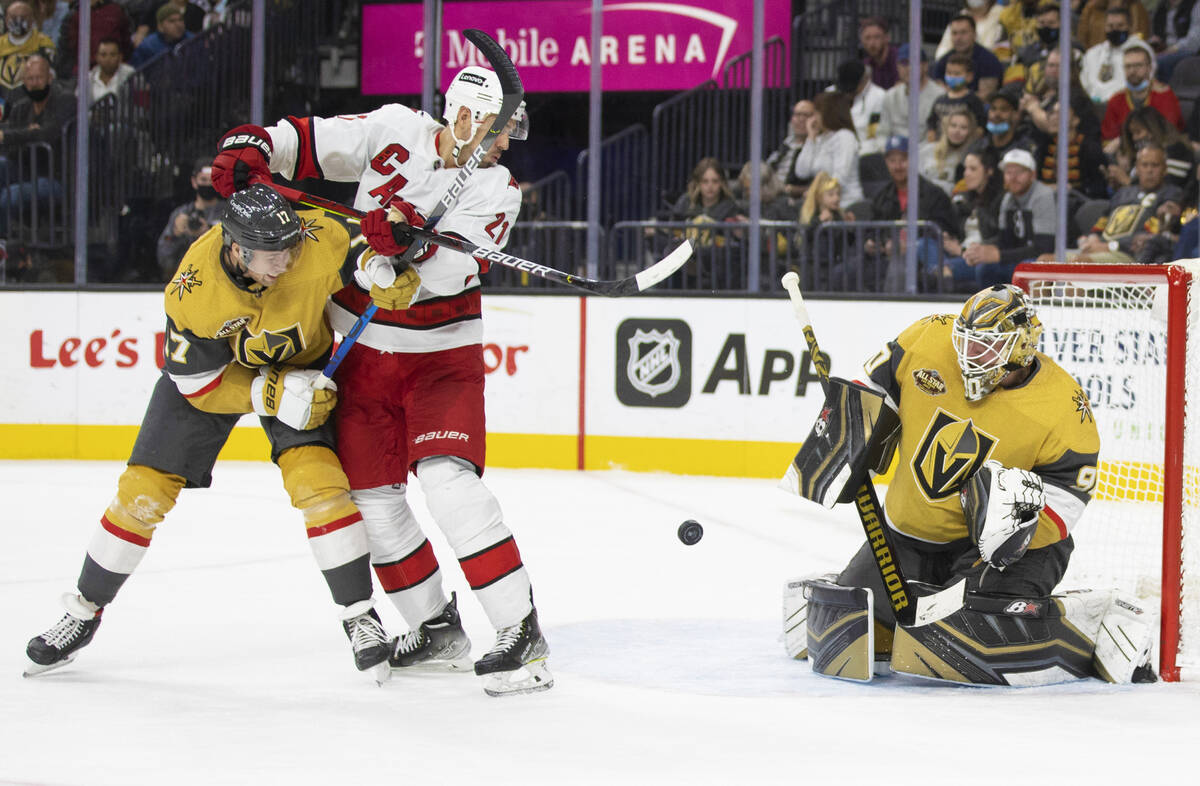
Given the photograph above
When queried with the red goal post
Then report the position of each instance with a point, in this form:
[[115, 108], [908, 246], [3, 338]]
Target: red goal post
[[1124, 332]]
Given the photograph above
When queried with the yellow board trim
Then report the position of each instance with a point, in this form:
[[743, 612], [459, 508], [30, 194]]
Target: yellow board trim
[[726, 458]]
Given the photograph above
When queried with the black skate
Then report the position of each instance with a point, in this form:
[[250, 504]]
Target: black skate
[[58, 646], [368, 639], [438, 644], [517, 662]]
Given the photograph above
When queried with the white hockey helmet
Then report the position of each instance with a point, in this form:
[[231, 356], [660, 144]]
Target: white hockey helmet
[[479, 90], [997, 332]]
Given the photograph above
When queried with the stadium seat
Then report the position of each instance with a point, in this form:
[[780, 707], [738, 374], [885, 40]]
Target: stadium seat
[[1185, 80], [1088, 214]]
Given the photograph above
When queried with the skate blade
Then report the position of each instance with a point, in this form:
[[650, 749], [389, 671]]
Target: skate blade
[[531, 678], [35, 669], [436, 666], [380, 672]]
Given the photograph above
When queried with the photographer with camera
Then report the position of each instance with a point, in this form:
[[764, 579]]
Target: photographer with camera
[[190, 220]]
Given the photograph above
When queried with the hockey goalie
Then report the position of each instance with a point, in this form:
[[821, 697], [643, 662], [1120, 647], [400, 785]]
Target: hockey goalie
[[995, 452]]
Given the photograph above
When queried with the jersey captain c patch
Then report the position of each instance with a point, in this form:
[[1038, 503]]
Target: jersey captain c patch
[[950, 451], [270, 347]]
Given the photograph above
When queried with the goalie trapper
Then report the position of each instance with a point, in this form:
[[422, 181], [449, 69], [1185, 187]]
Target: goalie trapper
[[855, 433]]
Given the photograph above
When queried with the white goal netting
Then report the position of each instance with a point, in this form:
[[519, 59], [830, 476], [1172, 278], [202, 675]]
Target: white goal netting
[[1109, 329]]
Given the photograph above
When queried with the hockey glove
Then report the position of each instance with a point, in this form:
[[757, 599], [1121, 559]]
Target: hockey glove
[[388, 290], [387, 232], [290, 396], [243, 158], [1002, 506]]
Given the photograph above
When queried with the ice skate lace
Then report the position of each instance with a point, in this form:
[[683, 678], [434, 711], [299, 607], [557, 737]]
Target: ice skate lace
[[366, 632], [507, 638], [410, 642], [63, 633]]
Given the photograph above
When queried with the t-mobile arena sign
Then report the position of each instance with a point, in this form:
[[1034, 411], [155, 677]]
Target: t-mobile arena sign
[[645, 46]]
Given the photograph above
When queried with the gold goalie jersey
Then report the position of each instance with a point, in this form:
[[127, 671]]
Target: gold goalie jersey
[[1044, 425], [219, 335]]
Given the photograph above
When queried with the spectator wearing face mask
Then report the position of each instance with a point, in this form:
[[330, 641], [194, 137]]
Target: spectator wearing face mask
[[1029, 60], [986, 69], [190, 220], [1103, 69], [958, 97], [1093, 21], [1147, 126], [21, 39], [1141, 89]]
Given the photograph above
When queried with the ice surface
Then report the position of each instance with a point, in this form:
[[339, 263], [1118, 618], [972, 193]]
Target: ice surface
[[222, 660]]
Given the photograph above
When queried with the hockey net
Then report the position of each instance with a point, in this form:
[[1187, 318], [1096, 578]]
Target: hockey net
[[1128, 334]]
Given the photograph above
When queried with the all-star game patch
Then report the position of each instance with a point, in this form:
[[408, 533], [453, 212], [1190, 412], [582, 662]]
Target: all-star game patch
[[185, 282], [929, 381], [232, 327]]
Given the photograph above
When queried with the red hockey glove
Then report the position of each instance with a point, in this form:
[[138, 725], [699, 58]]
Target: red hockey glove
[[389, 236], [242, 159]]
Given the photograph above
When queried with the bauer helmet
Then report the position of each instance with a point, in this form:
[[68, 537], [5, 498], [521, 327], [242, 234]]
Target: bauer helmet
[[479, 90], [258, 219], [996, 333]]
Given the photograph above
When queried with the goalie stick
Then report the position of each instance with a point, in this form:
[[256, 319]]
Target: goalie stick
[[513, 94], [615, 288], [907, 610]]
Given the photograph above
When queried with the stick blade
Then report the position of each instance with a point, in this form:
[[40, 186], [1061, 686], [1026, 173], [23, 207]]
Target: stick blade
[[506, 72], [664, 267]]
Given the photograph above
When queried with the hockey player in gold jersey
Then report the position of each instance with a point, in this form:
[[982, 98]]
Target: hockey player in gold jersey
[[246, 332], [996, 461]]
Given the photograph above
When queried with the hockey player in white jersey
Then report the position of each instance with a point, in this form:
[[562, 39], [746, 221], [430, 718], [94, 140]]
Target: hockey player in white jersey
[[419, 370]]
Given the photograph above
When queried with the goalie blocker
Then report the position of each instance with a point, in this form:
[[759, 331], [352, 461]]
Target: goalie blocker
[[854, 434]]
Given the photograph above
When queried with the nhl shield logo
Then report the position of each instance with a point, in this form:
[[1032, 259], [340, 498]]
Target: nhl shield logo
[[653, 366], [654, 363]]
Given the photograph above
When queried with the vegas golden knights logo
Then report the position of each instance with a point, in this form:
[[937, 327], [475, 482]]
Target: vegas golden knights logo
[[950, 452], [269, 347]]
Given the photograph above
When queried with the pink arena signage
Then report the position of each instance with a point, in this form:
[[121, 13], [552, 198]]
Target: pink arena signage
[[662, 45]]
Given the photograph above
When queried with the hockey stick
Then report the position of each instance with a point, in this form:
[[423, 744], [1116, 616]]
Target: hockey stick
[[615, 288], [907, 611], [513, 94]]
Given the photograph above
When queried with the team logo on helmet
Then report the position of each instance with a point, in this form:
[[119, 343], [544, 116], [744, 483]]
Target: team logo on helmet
[[269, 347], [950, 452], [187, 280], [1082, 406]]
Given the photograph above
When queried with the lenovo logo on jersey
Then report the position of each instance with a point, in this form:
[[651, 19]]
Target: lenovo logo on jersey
[[654, 363], [429, 435]]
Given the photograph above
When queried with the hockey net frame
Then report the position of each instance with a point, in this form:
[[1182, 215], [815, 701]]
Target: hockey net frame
[[1171, 481]]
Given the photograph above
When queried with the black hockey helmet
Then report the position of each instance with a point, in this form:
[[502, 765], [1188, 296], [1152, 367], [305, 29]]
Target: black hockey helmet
[[259, 219]]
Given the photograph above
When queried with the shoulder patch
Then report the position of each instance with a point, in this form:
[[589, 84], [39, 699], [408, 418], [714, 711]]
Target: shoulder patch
[[1082, 406], [929, 381], [232, 326], [308, 229], [187, 280]]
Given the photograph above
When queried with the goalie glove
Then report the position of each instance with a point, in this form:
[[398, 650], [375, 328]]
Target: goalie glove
[[243, 158], [290, 395], [1001, 505]]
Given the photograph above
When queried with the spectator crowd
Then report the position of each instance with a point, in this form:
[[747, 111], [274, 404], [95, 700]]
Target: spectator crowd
[[989, 113]]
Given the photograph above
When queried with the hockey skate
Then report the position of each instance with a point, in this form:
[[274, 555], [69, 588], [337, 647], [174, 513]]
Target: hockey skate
[[438, 644], [368, 639], [58, 646], [517, 662]]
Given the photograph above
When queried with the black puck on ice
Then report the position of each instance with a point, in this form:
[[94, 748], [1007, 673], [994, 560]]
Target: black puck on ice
[[690, 532]]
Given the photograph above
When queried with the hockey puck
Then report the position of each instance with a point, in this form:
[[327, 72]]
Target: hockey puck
[[690, 532]]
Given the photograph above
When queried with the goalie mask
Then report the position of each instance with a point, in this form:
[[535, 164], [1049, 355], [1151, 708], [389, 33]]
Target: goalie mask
[[996, 333], [268, 233], [479, 90]]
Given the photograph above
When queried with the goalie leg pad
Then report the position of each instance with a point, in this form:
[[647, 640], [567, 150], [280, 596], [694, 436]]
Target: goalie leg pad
[[841, 630], [997, 640], [1124, 640], [854, 433]]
